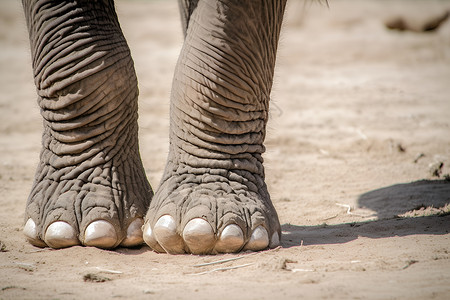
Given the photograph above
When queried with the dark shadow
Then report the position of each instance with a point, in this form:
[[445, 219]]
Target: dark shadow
[[388, 203], [397, 199], [134, 250]]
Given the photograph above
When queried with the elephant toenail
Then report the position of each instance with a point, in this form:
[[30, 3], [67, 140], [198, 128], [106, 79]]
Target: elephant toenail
[[150, 240], [275, 240], [199, 236], [259, 239], [231, 239], [165, 232], [134, 234], [100, 234], [60, 235], [30, 232]]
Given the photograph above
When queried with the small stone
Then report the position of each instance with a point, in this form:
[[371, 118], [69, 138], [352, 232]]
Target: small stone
[[436, 169], [90, 277], [3, 247]]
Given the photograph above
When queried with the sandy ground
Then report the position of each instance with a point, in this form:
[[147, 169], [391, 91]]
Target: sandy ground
[[359, 114]]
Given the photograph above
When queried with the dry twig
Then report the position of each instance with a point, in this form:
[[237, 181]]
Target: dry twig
[[233, 258], [108, 271], [221, 269], [349, 212], [409, 263], [221, 261], [301, 270]]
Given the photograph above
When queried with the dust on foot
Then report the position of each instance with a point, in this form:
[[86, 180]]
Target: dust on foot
[[209, 214], [101, 208]]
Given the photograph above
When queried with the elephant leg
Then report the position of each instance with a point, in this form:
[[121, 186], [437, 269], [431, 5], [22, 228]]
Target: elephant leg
[[90, 187], [186, 9], [212, 197]]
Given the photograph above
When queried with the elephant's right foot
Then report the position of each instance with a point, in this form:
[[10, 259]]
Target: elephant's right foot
[[101, 206], [90, 187], [99, 234]]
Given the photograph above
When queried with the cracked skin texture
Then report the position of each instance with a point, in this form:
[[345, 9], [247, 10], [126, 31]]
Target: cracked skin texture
[[213, 188], [90, 168]]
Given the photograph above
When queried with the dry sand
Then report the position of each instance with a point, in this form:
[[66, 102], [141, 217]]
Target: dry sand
[[359, 113]]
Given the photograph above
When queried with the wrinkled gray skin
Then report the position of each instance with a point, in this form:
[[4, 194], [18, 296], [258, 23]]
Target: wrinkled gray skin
[[90, 187]]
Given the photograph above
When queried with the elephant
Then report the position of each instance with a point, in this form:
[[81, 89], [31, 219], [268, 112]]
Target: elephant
[[90, 186]]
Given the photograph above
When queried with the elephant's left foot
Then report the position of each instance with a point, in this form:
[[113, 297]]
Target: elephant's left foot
[[220, 211]]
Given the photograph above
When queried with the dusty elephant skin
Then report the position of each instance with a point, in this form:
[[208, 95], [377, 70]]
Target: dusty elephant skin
[[219, 110], [90, 187]]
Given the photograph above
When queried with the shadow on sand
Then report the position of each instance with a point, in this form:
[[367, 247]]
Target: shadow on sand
[[388, 203]]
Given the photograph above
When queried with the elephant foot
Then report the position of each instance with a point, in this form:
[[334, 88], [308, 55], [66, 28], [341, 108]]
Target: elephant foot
[[102, 207], [101, 234], [218, 211], [90, 186]]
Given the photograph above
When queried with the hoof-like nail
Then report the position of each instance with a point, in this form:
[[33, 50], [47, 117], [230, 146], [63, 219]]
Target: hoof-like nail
[[30, 232], [100, 234], [199, 236], [60, 234], [259, 239], [231, 239], [165, 232], [275, 240], [134, 234], [150, 240]]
